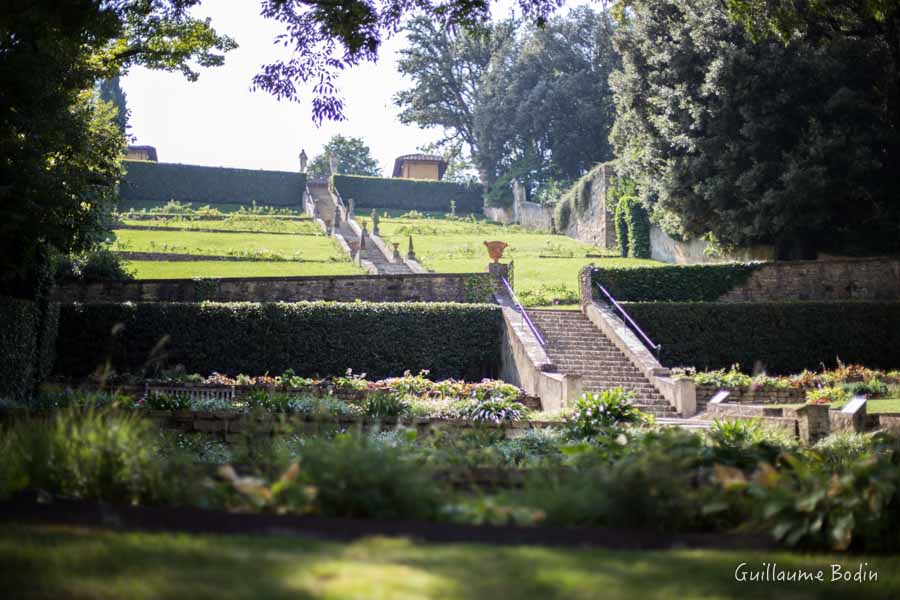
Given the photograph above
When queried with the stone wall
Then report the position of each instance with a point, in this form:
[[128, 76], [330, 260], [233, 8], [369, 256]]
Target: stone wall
[[836, 279], [692, 252], [596, 224], [428, 287], [749, 395]]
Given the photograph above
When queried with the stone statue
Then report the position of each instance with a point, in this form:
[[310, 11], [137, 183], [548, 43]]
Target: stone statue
[[332, 164], [351, 207], [396, 251], [303, 161], [375, 222]]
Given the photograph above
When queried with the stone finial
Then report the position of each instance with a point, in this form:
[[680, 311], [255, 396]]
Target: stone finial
[[375, 221], [396, 251], [303, 160], [411, 253]]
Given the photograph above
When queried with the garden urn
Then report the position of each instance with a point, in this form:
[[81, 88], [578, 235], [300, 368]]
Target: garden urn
[[495, 250]]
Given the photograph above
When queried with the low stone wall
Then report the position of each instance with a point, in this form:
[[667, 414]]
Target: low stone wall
[[821, 280], [423, 287], [750, 395], [232, 426]]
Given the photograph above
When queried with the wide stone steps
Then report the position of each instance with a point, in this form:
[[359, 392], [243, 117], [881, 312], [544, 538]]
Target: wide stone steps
[[576, 346]]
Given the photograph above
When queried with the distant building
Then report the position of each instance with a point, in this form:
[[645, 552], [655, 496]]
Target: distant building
[[141, 153], [420, 166]]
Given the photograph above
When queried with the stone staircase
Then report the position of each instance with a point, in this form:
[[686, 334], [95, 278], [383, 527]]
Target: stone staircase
[[322, 197], [577, 346]]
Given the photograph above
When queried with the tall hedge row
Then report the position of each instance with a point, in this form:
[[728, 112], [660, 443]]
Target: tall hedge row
[[18, 347], [784, 337], [313, 338], [149, 183], [409, 194], [676, 283]]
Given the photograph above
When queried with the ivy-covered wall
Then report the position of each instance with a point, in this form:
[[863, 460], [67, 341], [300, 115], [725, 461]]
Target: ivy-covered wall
[[148, 183]]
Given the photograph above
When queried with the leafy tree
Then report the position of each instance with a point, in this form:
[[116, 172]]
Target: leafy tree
[[326, 37], [756, 140], [111, 91], [447, 68], [351, 154], [527, 103], [60, 148]]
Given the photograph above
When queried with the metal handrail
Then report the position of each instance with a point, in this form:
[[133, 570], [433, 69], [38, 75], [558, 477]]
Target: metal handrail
[[521, 309], [637, 329]]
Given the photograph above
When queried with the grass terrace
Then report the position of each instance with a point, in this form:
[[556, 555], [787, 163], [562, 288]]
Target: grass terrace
[[149, 269], [546, 265]]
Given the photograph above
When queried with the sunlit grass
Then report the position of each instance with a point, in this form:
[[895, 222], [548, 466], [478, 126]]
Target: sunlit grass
[[148, 269], [60, 562]]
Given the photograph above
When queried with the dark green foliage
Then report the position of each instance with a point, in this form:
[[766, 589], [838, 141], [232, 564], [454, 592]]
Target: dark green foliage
[[790, 141], [682, 283], [563, 215], [148, 184], [355, 476], [18, 347], [352, 155], [110, 90], [91, 267], [409, 194], [632, 228], [783, 337], [380, 339]]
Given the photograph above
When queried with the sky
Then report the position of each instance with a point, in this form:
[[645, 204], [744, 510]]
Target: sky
[[217, 121]]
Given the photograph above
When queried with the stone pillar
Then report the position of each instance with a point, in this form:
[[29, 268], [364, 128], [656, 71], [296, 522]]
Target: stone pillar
[[813, 422], [350, 209], [518, 191], [498, 270]]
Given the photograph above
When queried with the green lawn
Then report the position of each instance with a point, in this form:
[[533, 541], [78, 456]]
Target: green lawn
[[254, 223], [303, 247], [148, 269], [58, 562], [546, 266]]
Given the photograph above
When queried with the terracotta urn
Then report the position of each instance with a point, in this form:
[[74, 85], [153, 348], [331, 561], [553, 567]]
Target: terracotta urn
[[495, 250]]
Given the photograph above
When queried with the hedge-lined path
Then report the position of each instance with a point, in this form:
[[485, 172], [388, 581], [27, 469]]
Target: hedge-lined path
[[576, 346]]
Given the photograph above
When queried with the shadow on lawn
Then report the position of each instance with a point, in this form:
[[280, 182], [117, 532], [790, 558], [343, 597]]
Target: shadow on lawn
[[66, 562]]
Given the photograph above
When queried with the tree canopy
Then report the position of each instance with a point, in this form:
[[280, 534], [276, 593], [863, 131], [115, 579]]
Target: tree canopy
[[525, 102], [352, 157], [60, 148], [756, 140]]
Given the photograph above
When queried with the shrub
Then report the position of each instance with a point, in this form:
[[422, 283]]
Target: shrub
[[92, 267], [167, 402], [632, 228], [452, 340], [731, 378], [784, 337], [495, 409], [676, 283], [380, 405], [357, 477], [594, 412], [873, 388], [827, 395], [151, 183], [406, 194], [18, 348], [84, 454]]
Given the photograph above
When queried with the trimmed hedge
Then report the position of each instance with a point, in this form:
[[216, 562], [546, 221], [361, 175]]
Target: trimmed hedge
[[18, 347], [313, 338], [409, 194], [784, 337], [676, 283], [149, 184]]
